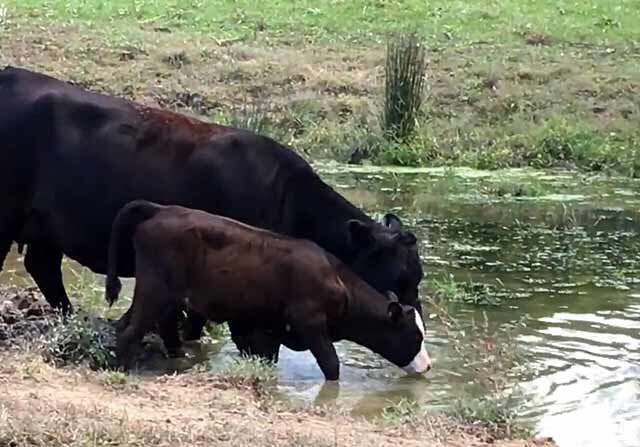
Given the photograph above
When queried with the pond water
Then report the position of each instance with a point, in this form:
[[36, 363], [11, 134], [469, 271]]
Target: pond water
[[560, 255]]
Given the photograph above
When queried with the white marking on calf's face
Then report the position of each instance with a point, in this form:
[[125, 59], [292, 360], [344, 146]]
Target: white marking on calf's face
[[421, 363]]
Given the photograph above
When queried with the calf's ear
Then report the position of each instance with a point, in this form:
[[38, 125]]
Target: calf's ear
[[360, 233], [394, 312], [392, 296]]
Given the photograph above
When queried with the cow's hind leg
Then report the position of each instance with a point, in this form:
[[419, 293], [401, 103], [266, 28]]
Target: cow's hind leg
[[44, 264]]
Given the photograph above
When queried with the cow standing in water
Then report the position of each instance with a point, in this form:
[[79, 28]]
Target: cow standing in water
[[229, 271], [71, 159]]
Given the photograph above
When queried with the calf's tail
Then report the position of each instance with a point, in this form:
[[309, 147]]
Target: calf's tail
[[124, 225]]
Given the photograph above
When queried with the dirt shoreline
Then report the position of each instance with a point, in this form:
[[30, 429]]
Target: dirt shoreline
[[42, 404]]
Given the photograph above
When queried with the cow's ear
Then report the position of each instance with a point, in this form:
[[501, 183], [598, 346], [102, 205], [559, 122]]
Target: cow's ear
[[360, 233], [392, 221], [394, 312], [392, 296], [405, 237], [409, 238]]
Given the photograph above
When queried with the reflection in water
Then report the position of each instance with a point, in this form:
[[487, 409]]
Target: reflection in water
[[568, 265]]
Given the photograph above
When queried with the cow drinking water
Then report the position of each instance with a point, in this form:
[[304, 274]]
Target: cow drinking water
[[228, 271], [70, 159]]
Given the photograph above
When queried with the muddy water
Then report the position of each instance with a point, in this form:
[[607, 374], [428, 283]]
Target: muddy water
[[561, 253]]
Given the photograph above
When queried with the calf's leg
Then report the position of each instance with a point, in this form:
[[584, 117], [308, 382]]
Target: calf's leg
[[193, 325], [150, 300], [168, 331], [240, 336], [325, 353], [264, 344], [313, 334], [254, 341], [44, 264]]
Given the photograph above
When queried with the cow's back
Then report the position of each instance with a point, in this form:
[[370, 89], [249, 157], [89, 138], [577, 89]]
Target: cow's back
[[21, 89], [78, 157]]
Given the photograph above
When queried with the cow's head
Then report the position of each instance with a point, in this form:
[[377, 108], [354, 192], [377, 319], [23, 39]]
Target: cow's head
[[386, 257]]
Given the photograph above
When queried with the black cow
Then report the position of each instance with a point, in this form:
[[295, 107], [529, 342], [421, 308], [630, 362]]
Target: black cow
[[70, 159], [229, 271]]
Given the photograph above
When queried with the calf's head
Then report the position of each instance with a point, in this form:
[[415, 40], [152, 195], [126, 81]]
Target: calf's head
[[386, 257], [398, 337]]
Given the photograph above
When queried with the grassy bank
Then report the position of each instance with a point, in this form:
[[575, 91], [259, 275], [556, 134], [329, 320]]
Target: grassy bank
[[57, 389], [509, 83], [41, 405]]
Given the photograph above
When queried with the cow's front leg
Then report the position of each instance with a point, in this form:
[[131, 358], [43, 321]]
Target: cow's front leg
[[44, 264]]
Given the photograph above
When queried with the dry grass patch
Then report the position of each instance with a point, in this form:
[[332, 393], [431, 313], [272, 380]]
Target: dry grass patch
[[41, 405]]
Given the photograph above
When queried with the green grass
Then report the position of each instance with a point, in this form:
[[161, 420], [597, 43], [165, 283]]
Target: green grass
[[401, 412], [115, 379], [510, 83], [497, 413], [448, 289], [253, 371], [79, 339], [361, 20], [491, 400]]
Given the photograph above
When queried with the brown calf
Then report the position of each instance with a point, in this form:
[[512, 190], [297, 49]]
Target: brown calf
[[229, 271]]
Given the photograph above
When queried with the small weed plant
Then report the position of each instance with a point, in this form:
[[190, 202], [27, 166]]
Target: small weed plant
[[448, 289], [402, 412], [79, 339], [249, 370], [491, 401]]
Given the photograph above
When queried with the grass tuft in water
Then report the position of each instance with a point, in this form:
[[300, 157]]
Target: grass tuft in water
[[491, 400], [448, 289], [498, 413], [510, 189], [402, 412], [250, 371]]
